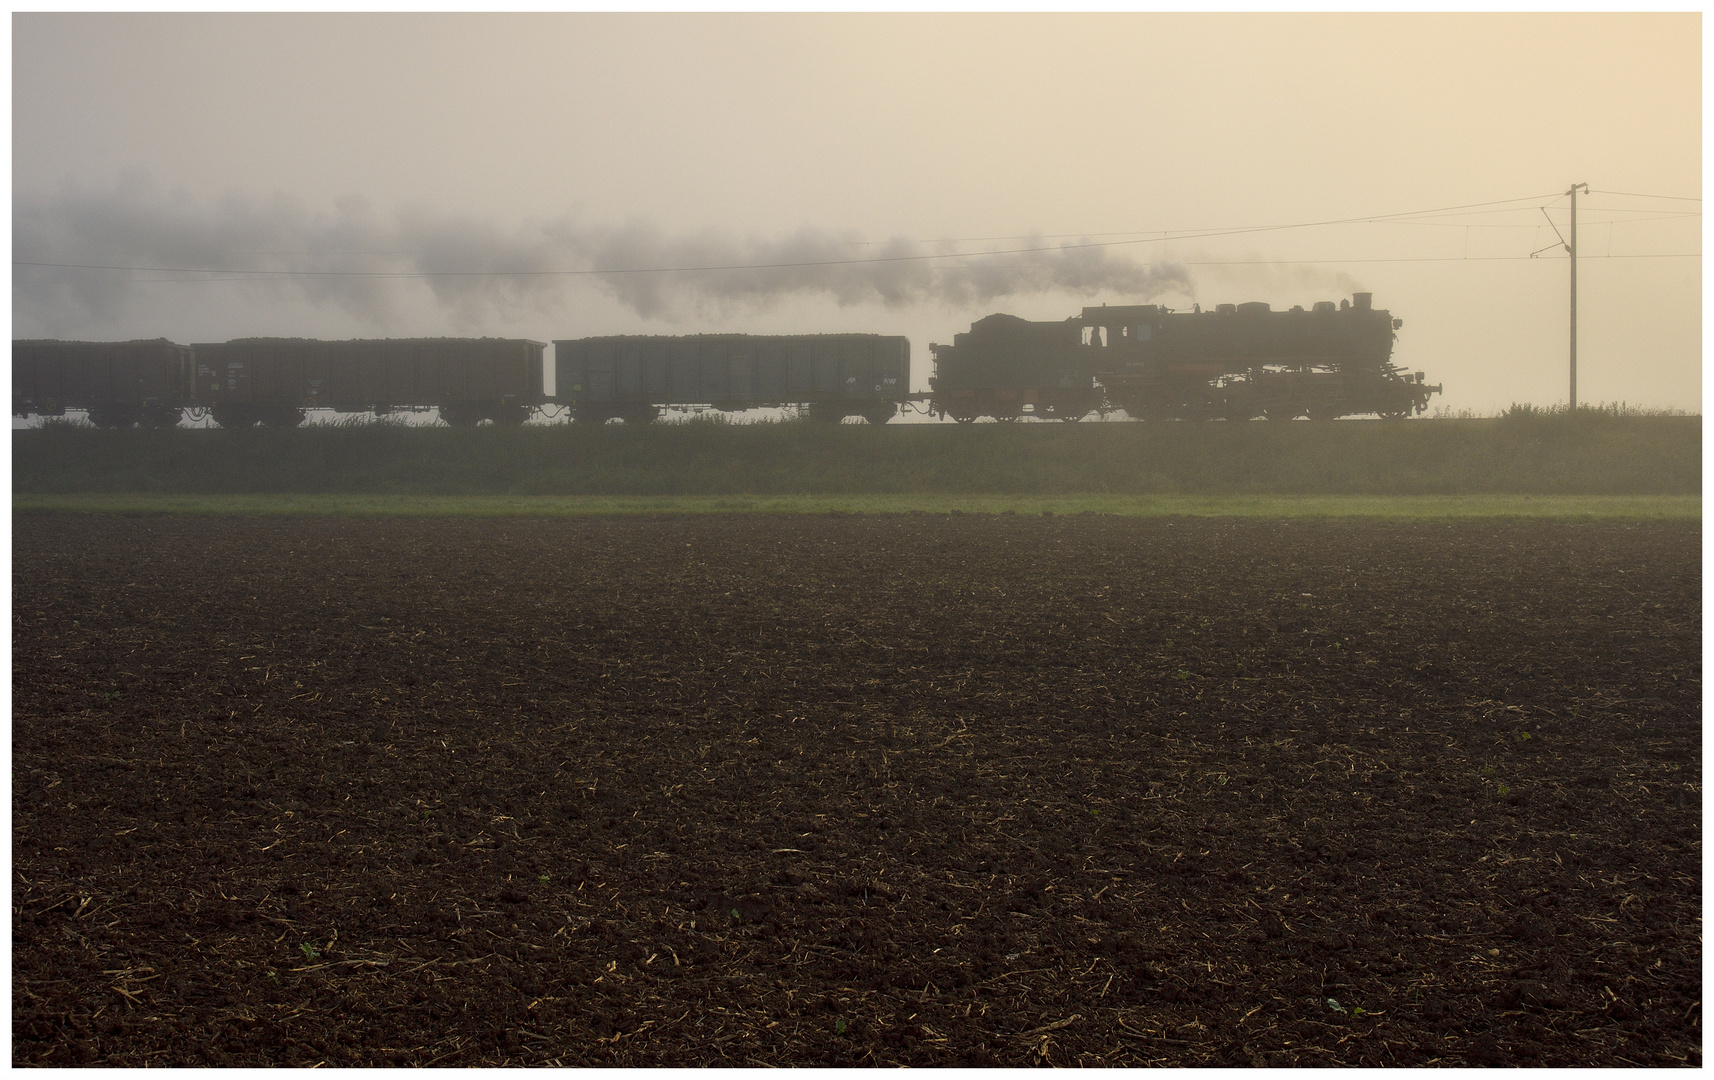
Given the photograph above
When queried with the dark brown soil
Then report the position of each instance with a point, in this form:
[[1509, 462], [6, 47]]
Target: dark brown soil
[[914, 789]]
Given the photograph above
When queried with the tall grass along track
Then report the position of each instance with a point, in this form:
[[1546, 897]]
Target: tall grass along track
[[1531, 456]]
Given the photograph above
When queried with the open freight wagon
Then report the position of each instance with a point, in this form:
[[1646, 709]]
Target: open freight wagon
[[633, 377], [118, 383], [275, 380]]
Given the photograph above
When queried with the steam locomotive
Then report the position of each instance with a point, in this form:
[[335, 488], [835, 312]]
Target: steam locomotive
[[1236, 362]]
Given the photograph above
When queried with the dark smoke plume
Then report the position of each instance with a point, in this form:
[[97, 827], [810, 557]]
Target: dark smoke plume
[[821, 262], [367, 264]]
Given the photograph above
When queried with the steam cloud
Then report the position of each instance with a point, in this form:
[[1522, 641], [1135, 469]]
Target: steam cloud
[[367, 264]]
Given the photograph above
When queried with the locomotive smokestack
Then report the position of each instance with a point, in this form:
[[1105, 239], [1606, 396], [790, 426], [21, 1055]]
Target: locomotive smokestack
[[1362, 301]]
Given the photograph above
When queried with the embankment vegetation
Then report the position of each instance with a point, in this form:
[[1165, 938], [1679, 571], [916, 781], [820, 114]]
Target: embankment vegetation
[[1526, 452]]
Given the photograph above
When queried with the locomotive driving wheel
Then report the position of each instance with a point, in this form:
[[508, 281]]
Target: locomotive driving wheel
[[1152, 404], [1197, 403]]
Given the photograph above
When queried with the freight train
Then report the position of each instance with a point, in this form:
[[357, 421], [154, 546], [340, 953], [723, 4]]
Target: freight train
[[1235, 362]]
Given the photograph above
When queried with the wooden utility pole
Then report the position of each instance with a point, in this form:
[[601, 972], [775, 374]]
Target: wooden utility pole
[[1572, 248]]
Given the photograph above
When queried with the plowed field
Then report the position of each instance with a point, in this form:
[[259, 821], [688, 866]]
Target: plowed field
[[912, 789]]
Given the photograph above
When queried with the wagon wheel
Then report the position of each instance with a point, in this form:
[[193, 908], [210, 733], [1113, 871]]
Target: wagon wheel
[[113, 416], [1283, 412], [163, 416], [963, 419], [284, 418], [233, 416], [1394, 414], [1072, 418]]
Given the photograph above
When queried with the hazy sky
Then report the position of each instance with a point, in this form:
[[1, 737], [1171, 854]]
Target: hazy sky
[[390, 147]]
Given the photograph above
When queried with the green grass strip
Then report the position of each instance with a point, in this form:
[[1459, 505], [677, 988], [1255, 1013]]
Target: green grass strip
[[1401, 507]]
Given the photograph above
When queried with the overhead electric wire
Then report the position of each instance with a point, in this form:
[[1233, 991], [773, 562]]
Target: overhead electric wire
[[760, 266], [1429, 259], [1634, 195], [235, 278], [1398, 218], [1152, 234], [1663, 215], [387, 275]]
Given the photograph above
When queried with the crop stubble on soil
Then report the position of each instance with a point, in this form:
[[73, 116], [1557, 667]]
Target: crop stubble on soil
[[846, 790]]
